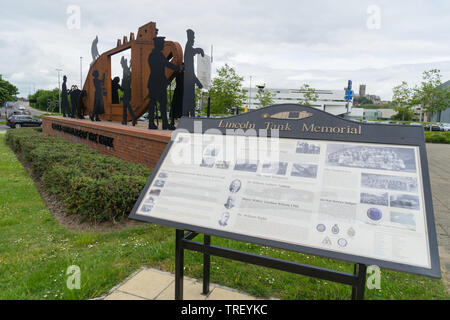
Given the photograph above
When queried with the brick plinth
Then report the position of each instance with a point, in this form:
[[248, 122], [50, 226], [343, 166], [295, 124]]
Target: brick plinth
[[134, 144]]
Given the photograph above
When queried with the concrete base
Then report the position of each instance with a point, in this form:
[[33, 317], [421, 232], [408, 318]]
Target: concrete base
[[134, 144]]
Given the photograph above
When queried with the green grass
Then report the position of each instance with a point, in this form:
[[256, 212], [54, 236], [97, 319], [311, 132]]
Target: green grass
[[35, 252]]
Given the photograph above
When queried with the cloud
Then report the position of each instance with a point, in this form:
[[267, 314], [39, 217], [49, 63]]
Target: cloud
[[283, 44]]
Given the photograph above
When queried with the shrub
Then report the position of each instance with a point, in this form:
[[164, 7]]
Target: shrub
[[92, 185], [437, 137]]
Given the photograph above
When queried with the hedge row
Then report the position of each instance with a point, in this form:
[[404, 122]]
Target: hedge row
[[92, 185], [437, 137]]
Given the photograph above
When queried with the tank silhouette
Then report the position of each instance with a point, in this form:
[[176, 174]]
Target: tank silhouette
[[141, 46]]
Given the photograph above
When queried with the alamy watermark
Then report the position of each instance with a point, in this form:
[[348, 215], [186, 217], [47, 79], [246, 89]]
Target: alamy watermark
[[74, 278], [243, 144], [74, 17], [374, 278], [373, 17]]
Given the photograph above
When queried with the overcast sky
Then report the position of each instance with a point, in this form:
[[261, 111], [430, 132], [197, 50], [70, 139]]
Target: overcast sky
[[283, 44]]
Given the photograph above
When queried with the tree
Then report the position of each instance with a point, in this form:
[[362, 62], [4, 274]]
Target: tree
[[362, 101], [309, 95], [403, 113], [8, 91], [402, 98], [42, 96], [265, 97], [226, 91], [433, 97]]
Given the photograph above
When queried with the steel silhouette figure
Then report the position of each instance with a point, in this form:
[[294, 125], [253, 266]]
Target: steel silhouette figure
[[75, 95], [94, 50], [98, 96], [176, 107], [115, 86], [126, 88], [157, 83], [64, 98], [190, 79]]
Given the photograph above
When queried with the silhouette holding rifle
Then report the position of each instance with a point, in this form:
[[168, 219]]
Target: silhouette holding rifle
[[126, 88], [190, 79]]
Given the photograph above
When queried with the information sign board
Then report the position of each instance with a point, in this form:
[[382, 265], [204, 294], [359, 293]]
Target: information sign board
[[297, 178]]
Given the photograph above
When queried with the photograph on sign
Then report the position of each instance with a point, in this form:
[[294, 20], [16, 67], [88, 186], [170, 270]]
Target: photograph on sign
[[359, 199]]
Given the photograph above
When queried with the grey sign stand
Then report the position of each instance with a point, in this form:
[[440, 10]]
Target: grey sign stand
[[185, 241], [299, 122]]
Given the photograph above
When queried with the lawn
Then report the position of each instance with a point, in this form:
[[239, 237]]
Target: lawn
[[35, 252]]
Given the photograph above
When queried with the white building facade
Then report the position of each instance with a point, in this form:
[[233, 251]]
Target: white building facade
[[332, 101]]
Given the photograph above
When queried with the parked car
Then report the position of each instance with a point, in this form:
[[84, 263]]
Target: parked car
[[18, 121], [415, 124], [445, 127], [434, 127], [144, 117]]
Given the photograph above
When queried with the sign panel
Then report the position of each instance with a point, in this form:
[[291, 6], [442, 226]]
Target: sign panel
[[204, 71], [365, 202]]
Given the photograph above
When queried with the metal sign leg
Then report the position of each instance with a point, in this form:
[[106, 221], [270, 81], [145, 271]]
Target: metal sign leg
[[179, 264], [359, 289], [206, 265]]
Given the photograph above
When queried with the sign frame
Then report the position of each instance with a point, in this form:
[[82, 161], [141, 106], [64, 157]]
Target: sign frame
[[278, 115]]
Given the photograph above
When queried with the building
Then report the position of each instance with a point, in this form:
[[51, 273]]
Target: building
[[371, 114], [442, 116], [362, 90], [332, 101]]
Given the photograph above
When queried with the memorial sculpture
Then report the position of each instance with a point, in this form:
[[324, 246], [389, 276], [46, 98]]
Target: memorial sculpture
[[64, 98], [98, 101], [94, 50], [157, 84], [115, 86], [190, 79], [126, 87], [176, 105], [141, 46], [75, 95]]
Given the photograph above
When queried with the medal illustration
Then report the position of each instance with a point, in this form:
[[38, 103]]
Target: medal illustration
[[321, 227], [374, 214], [351, 232], [327, 241], [335, 229], [342, 242]]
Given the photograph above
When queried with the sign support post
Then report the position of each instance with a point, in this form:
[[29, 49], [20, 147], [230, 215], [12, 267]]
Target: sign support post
[[185, 241]]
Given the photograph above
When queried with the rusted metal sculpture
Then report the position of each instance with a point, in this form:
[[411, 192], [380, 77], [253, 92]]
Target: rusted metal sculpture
[[141, 47]]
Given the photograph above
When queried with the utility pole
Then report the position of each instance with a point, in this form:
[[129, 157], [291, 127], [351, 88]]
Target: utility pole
[[250, 93], [59, 88]]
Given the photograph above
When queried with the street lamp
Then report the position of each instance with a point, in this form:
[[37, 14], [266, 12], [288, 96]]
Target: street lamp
[[59, 88], [81, 73]]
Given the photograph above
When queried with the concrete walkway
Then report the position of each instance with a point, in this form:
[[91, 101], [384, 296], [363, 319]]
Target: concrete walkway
[[439, 166], [151, 284]]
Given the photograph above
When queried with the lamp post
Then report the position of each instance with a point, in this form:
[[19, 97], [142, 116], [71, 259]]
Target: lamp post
[[81, 73], [59, 88], [250, 92]]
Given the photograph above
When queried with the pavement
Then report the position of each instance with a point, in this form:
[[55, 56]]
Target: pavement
[[439, 167], [151, 284]]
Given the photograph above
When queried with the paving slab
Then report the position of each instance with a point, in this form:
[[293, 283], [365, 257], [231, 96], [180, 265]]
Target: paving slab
[[118, 295], [192, 290], [152, 284], [147, 284]]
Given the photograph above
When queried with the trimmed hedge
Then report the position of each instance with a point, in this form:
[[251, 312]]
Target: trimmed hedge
[[437, 137], [92, 185]]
